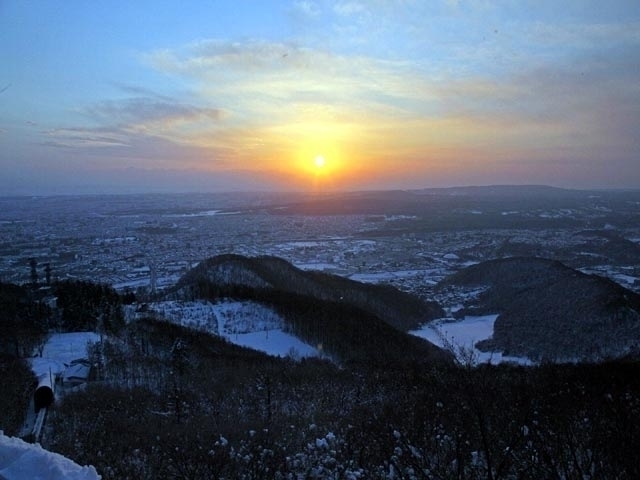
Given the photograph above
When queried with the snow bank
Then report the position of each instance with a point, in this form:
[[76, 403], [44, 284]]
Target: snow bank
[[21, 460]]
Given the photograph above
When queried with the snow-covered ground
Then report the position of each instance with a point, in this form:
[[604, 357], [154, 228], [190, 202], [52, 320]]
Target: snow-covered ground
[[61, 349], [20, 460], [463, 335], [245, 323], [274, 342], [316, 266]]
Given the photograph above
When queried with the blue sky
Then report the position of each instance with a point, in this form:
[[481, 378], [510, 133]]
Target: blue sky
[[203, 96]]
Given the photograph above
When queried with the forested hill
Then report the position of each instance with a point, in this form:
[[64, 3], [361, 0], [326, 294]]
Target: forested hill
[[550, 311], [351, 321], [399, 309]]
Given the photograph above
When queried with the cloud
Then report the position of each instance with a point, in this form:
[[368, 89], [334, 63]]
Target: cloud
[[84, 138], [279, 93], [347, 9], [84, 148], [306, 8], [138, 123], [263, 72], [140, 91], [147, 113]]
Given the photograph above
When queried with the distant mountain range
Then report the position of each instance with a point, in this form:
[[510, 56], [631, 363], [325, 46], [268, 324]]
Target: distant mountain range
[[550, 311], [351, 320], [529, 206]]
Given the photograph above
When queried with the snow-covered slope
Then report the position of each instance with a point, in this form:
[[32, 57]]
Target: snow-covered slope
[[246, 323], [462, 335], [20, 460]]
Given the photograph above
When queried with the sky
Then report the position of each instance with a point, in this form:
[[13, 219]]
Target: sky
[[150, 96]]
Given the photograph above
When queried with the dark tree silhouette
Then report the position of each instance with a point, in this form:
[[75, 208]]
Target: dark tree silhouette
[[34, 271], [47, 273]]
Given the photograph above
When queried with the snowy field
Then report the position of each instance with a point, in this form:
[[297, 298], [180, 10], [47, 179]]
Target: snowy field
[[246, 323], [463, 335]]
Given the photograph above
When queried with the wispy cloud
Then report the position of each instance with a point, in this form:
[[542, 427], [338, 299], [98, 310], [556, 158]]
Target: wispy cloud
[[281, 72], [141, 91], [84, 138], [306, 8], [135, 123], [150, 114]]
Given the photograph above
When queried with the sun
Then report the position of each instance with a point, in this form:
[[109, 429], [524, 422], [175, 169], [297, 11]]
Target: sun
[[319, 161]]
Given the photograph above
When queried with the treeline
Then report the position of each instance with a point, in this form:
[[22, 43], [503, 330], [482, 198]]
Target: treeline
[[17, 387], [27, 316], [88, 306], [24, 320], [209, 409]]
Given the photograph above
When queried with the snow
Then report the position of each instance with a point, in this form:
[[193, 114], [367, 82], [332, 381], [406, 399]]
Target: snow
[[245, 323], [317, 266], [20, 460], [61, 349], [274, 342], [463, 335], [622, 278], [391, 275]]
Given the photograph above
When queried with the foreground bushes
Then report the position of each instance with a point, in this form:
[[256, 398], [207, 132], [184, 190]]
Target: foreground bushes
[[212, 410]]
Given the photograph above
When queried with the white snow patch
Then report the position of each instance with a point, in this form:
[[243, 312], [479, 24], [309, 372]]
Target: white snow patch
[[61, 349], [622, 278], [316, 266], [20, 460], [245, 323], [463, 335], [388, 276], [274, 342]]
